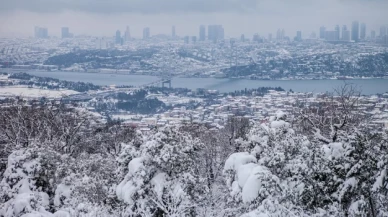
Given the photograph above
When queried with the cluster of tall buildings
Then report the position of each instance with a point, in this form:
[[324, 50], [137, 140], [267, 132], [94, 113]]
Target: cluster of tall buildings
[[40, 32], [356, 33], [126, 36], [214, 33], [188, 39]]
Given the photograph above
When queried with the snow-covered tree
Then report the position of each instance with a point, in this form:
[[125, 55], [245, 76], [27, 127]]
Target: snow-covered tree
[[162, 180]]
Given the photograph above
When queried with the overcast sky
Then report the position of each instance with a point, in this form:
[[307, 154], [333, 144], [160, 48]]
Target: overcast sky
[[104, 17]]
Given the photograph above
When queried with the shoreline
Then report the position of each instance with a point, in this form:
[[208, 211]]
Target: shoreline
[[203, 77]]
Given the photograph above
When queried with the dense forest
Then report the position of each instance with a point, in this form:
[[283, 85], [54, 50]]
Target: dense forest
[[61, 161]]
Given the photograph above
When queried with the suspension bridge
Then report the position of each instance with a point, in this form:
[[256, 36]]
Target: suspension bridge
[[163, 81]]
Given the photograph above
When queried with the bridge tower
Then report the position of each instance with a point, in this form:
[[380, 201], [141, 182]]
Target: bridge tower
[[168, 81]]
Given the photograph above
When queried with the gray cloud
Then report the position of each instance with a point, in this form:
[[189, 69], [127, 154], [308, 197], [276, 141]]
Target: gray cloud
[[130, 6], [183, 6]]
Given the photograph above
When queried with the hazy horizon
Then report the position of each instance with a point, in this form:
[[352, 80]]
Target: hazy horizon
[[102, 18]]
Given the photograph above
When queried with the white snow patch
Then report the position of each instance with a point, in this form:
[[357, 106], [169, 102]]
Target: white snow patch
[[379, 180], [62, 191], [235, 160], [129, 186], [333, 150], [279, 124], [24, 91], [253, 185], [159, 183], [243, 173]]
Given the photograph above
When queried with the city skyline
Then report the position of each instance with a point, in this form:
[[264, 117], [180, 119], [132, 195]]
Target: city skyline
[[338, 34], [244, 17]]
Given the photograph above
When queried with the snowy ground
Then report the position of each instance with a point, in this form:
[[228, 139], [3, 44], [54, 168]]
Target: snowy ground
[[173, 100], [126, 117], [25, 91]]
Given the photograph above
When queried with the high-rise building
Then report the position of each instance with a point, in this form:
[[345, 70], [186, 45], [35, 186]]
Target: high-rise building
[[345, 33], [40, 32], [232, 42], [256, 37], [322, 31], [186, 39], [337, 29], [118, 37], [270, 37], [242, 38], [298, 36], [65, 32], [202, 33], [331, 36], [127, 34], [383, 31], [363, 31], [280, 34], [101, 43], [215, 33], [373, 34], [194, 39], [146, 33], [173, 32], [355, 31], [384, 40]]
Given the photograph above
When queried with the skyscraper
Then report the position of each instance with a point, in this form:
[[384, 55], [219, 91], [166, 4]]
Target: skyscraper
[[127, 34], [331, 36], [363, 31], [345, 33], [270, 37], [242, 38], [256, 37], [355, 31], [146, 33], [215, 32], [337, 30], [373, 34], [298, 36], [202, 33], [322, 31], [65, 32], [118, 37], [40, 32], [194, 39], [186, 39], [383, 31], [280, 34], [173, 32]]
